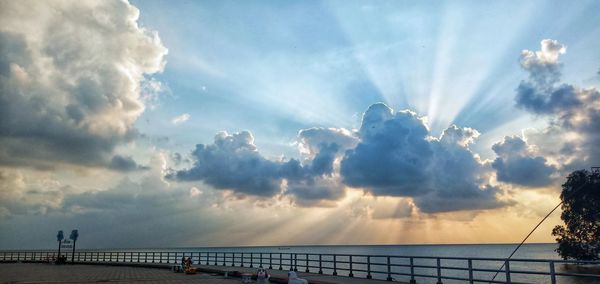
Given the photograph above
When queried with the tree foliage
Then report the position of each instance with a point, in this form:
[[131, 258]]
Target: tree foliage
[[579, 238]]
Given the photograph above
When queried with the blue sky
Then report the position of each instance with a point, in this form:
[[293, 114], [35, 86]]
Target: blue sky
[[277, 68], [420, 121]]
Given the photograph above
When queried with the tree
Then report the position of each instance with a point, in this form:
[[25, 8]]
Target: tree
[[580, 237]]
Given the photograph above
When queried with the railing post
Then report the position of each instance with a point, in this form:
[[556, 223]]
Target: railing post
[[215, 258], [552, 273], [307, 270], [280, 258], [320, 264], [270, 260], [439, 271], [224, 258], [369, 267], [334, 264], [260, 265], [233, 260], [389, 269], [412, 271], [242, 260], [350, 274], [295, 262], [470, 271], [507, 269]]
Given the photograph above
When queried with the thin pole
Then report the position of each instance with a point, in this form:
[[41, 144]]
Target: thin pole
[[534, 228]]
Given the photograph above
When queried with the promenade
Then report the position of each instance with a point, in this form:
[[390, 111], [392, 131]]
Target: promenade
[[30, 273]]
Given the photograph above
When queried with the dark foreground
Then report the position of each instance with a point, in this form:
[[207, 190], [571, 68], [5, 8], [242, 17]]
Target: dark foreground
[[48, 273]]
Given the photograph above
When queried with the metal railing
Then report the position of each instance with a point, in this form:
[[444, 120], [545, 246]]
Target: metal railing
[[385, 267]]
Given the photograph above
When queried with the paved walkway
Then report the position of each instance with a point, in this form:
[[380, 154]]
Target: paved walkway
[[30, 273], [281, 275]]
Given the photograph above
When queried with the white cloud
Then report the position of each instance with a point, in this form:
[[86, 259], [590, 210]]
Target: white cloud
[[70, 74], [180, 119]]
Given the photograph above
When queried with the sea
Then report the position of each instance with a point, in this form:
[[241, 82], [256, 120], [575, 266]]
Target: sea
[[527, 251]]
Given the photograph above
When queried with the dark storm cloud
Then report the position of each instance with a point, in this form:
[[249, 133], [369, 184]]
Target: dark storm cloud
[[518, 165], [397, 157], [69, 81]]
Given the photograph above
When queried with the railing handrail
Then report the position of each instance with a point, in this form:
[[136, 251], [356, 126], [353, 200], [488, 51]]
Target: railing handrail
[[323, 254], [351, 263]]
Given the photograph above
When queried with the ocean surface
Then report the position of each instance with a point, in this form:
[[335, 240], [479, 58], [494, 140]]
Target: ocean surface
[[527, 251]]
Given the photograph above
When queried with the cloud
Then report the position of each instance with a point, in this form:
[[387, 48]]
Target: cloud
[[516, 163], [70, 78], [233, 162], [310, 139], [34, 195], [573, 111], [396, 156], [180, 119], [393, 154], [125, 164]]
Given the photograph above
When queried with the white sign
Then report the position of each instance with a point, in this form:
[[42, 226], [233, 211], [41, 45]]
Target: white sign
[[66, 244]]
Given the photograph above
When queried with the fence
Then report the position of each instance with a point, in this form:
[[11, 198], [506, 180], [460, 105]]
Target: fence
[[387, 267]]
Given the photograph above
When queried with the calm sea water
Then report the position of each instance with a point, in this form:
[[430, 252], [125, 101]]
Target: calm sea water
[[527, 251]]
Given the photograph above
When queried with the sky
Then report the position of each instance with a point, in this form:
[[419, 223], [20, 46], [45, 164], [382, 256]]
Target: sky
[[226, 123]]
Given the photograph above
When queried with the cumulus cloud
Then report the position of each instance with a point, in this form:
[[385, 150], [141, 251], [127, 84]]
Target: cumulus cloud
[[392, 154], [70, 76], [516, 163], [396, 156], [125, 164], [309, 140], [233, 162], [23, 195], [573, 111], [181, 119]]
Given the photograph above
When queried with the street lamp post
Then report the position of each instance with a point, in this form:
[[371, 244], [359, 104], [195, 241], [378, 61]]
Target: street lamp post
[[74, 236], [59, 237]]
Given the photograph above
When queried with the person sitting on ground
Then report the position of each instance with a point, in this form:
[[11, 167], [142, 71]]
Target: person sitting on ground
[[188, 263], [293, 278], [262, 277]]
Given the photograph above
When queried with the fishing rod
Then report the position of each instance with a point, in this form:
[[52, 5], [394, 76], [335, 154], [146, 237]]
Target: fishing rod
[[595, 180]]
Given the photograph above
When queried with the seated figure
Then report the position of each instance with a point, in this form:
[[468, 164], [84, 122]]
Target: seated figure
[[293, 279], [262, 277]]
